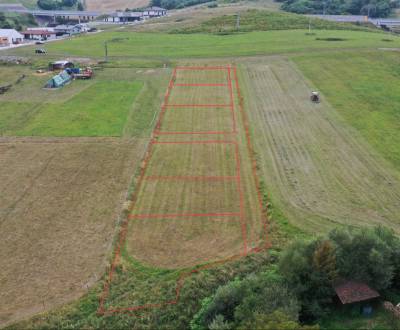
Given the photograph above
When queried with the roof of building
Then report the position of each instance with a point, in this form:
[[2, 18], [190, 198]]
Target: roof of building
[[155, 8], [353, 291], [66, 27], [126, 14], [10, 33], [38, 32]]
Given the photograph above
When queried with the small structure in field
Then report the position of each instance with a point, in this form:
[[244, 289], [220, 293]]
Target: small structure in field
[[315, 97], [351, 292], [60, 65], [59, 80]]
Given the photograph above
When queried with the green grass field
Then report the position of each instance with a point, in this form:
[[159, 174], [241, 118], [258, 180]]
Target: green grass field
[[99, 110], [364, 88], [162, 45]]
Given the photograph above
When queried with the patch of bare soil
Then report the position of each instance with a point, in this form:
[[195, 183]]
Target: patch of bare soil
[[59, 203]]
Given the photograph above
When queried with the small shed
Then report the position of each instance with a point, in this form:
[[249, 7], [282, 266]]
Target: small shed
[[59, 80], [60, 65], [352, 291]]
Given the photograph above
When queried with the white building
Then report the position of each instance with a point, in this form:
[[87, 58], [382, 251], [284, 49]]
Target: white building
[[10, 36]]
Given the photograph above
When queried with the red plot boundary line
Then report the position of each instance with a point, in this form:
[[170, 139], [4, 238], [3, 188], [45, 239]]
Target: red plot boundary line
[[201, 68], [122, 234], [189, 178], [198, 105], [201, 85], [183, 215]]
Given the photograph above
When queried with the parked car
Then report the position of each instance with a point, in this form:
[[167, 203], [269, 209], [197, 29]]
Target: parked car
[[92, 29], [40, 51], [40, 42]]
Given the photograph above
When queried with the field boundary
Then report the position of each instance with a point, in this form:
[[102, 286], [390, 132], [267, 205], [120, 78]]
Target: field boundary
[[241, 214]]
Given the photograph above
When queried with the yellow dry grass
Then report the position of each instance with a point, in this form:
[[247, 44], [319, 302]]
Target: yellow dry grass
[[59, 201]]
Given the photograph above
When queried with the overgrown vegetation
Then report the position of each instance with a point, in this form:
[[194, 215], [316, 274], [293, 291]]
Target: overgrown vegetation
[[274, 290], [16, 21], [55, 4], [263, 20], [372, 8]]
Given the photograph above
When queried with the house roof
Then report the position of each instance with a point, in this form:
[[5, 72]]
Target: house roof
[[10, 33], [156, 8], [353, 291], [38, 32]]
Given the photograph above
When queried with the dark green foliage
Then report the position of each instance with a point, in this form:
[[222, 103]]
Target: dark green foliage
[[16, 21], [238, 302], [274, 321], [309, 279], [55, 4], [380, 8], [80, 6], [369, 255]]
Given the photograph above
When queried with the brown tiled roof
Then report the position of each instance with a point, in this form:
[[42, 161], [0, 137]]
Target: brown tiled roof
[[352, 291]]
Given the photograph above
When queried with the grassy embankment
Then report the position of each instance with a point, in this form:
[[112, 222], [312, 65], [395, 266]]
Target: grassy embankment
[[170, 46]]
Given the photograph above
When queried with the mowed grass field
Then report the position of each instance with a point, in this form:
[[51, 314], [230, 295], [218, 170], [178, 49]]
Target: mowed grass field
[[163, 45], [99, 107], [317, 168], [364, 88]]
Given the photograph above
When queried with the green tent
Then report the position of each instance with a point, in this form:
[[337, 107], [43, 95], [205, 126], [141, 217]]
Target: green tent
[[59, 80]]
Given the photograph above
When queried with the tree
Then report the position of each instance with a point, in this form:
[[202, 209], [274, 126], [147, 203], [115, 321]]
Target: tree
[[309, 276], [365, 255], [80, 6]]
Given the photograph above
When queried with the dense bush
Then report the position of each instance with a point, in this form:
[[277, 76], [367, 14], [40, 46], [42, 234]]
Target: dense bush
[[16, 21], [241, 302], [55, 4]]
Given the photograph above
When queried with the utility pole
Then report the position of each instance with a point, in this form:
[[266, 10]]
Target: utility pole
[[105, 52], [237, 21]]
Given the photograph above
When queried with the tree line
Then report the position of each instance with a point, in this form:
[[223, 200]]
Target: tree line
[[371, 8], [54, 4], [299, 288]]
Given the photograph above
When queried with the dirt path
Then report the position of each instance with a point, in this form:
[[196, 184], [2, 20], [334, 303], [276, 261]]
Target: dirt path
[[319, 171]]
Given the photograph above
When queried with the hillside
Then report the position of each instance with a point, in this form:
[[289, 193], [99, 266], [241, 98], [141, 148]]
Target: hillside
[[110, 5]]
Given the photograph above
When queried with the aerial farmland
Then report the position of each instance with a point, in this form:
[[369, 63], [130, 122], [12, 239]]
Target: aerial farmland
[[192, 180]]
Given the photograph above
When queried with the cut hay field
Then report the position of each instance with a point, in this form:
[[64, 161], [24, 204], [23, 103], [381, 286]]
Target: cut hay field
[[59, 205], [169, 46], [318, 169]]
